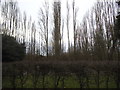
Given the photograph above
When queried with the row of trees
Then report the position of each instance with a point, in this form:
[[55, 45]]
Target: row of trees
[[97, 32], [15, 24], [92, 39]]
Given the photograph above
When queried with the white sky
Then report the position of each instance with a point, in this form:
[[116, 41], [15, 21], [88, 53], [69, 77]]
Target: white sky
[[31, 7]]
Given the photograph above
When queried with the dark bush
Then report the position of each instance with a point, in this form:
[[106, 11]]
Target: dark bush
[[11, 49]]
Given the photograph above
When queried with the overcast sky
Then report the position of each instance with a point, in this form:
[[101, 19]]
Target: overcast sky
[[31, 7]]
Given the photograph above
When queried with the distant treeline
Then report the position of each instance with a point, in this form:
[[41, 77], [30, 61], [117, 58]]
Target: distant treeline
[[95, 38]]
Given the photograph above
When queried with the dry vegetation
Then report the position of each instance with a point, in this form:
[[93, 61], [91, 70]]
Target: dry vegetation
[[87, 73]]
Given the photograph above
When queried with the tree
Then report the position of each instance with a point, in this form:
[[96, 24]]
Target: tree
[[29, 34], [57, 25], [74, 23], [85, 37], [68, 17], [11, 50], [43, 23], [33, 39], [25, 26], [62, 39]]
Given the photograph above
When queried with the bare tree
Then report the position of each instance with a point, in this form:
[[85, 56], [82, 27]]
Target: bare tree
[[57, 24], [29, 34], [68, 18], [33, 38], [24, 23], [85, 43], [43, 23], [62, 39], [74, 23]]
